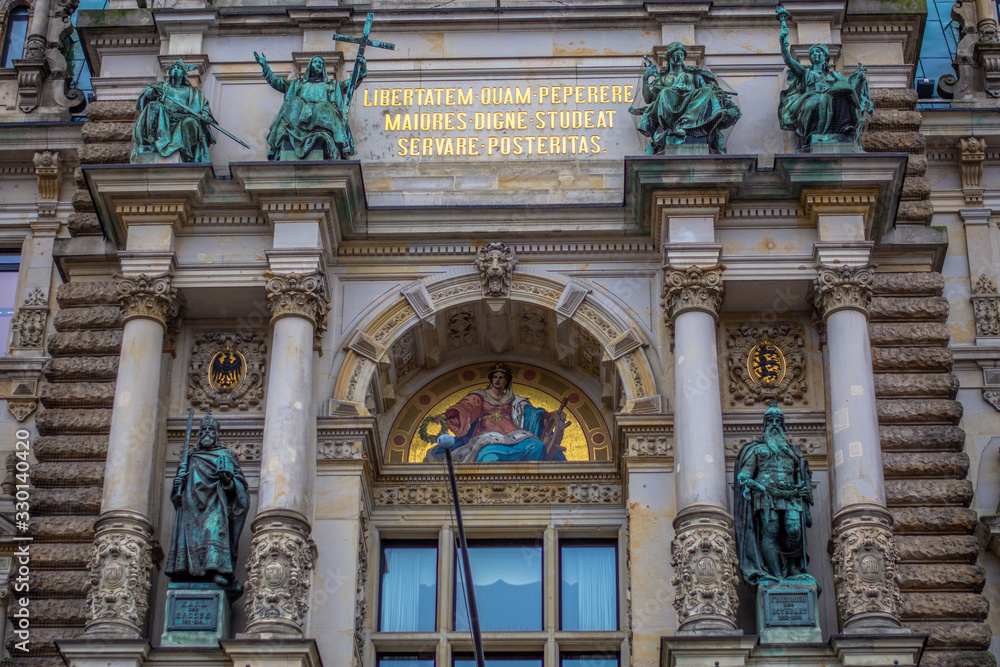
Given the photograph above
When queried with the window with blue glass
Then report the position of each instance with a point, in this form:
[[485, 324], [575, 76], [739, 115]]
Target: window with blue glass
[[937, 51], [589, 660], [15, 35], [508, 582], [588, 586], [10, 262], [76, 62], [408, 590], [405, 661], [501, 660]]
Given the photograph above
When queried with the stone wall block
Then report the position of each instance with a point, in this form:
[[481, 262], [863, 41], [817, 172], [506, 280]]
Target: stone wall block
[[110, 110], [63, 420], [74, 295], [60, 584], [967, 635], [882, 98], [953, 465], [921, 577], [82, 500], [63, 528], [71, 343], [78, 395], [937, 548], [915, 213], [43, 650], [84, 224], [118, 153], [921, 437], [928, 359], [908, 284], [68, 473], [50, 556], [916, 188], [82, 201], [918, 410], [64, 611], [75, 369], [106, 132], [893, 142], [916, 165], [916, 385], [897, 120], [944, 606], [929, 520], [928, 491], [96, 317], [957, 659], [910, 334], [71, 447], [928, 308]]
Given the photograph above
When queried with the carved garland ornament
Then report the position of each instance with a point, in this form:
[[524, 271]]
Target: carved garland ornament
[[298, 294], [282, 555], [150, 297], [987, 314], [495, 263], [29, 323], [503, 493], [703, 556], [840, 287], [766, 361], [692, 288], [244, 353], [864, 566], [121, 565]]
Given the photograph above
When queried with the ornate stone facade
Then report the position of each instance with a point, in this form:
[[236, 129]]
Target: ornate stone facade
[[703, 555], [279, 567], [692, 288], [840, 287], [864, 565], [150, 297], [121, 565]]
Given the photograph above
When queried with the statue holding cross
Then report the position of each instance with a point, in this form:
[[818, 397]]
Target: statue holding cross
[[312, 122]]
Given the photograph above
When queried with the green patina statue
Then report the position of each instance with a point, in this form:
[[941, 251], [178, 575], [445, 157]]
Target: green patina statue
[[173, 116], [212, 497], [312, 122], [685, 105], [821, 105], [773, 495]]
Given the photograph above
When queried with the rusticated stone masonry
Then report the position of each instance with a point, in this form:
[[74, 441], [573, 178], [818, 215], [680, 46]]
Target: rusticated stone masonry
[[925, 470]]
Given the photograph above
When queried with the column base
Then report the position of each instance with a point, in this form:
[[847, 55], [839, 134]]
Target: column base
[[854, 651], [703, 555], [103, 653], [702, 650], [273, 652]]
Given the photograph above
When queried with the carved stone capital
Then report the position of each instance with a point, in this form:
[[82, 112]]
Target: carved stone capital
[[692, 288], [151, 297], [703, 555], [121, 565], [282, 554], [495, 263], [864, 568], [298, 295], [842, 287]]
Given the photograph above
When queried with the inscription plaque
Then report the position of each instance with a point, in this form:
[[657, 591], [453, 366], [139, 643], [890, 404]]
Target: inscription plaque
[[789, 608], [193, 611]]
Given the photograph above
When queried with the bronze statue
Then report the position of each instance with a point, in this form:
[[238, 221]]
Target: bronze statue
[[313, 116], [212, 497], [821, 105], [685, 105], [773, 495], [173, 116]]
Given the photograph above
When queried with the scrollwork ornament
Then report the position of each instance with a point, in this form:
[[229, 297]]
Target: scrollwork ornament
[[703, 556], [692, 288], [282, 555], [298, 294], [150, 297], [121, 566], [864, 567], [842, 287]]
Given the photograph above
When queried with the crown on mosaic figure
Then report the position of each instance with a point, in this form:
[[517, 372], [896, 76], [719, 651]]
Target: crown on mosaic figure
[[500, 368]]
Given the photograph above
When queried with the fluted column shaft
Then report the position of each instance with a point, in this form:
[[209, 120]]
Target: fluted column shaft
[[864, 558]]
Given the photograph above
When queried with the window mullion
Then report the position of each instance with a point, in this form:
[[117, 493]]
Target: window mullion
[[446, 580]]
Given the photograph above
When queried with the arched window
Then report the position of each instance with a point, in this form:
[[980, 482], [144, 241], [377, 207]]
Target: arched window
[[17, 32]]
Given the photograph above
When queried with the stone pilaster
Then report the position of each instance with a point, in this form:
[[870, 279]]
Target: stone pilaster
[[121, 566], [703, 550]]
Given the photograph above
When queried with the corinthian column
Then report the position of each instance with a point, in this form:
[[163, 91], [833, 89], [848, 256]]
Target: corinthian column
[[121, 563], [282, 552], [864, 558], [703, 552]]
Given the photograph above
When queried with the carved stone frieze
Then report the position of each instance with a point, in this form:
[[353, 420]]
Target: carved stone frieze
[[404, 356], [495, 263], [243, 387], [778, 348], [692, 288], [29, 323], [121, 565], [703, 556], [533, 329], [339, 450], [150, 297], [21, 409], [864, 568], [650, 445], [461, 329], [500, 493], [361, 592], [985, 285], [987, 313], [282, 555], [842, 287], [300, 295]]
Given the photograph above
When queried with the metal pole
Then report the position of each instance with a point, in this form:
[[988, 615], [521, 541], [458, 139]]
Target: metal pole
[[477, 636]]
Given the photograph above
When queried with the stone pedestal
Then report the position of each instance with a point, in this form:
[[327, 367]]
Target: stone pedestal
[[144, 157], [106, 653], [196, 614], [788, 613], [706, 650], [273, 653]]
